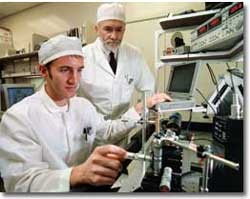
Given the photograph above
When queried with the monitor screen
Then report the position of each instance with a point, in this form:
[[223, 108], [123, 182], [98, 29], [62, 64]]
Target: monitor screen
[[18, 93], [181, 79], [14, 93]]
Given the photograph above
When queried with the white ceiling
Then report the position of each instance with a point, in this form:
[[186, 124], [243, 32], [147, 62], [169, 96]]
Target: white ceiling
[[10, 8]]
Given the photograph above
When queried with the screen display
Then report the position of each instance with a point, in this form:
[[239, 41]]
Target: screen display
[[16, 94], [182, 78]]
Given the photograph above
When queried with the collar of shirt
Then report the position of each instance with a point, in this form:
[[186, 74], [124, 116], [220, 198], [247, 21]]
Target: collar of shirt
[[50, 104], [105, 50]]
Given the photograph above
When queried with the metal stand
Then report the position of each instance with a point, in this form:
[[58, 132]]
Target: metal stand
[[144, 121], [170, 137]]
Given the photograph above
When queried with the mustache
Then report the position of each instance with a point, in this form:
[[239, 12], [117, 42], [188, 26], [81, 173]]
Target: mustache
[[113, 41]]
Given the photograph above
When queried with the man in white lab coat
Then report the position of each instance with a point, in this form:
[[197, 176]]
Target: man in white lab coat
[[109, 81], [46, 139], [113, 70]]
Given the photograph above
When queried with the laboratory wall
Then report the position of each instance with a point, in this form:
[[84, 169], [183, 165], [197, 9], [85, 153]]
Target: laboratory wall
[[50, 19]]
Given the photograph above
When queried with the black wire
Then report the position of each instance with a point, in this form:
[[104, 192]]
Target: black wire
[[189, 121], [214, 80], [206, 100], [231, 77], [188, 56]]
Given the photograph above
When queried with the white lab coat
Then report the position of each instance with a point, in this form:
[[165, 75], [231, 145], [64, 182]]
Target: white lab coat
[[111, 94], [40, 142]]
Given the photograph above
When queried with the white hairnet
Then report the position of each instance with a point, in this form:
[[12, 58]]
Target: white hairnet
[[110, 11], [59, 46]]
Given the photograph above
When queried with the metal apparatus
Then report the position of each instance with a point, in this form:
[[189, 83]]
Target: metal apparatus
[[221, 31], [144, 121], [152, 165], [166, 178], [138, 156], [164, 150], [202, 152]]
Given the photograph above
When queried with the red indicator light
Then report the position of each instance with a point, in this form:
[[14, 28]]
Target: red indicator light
[[202, 30], [215, 22], [235, 8]]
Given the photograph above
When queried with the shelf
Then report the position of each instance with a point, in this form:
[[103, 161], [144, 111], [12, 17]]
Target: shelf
[[23, 74], [227, 54], [191, 19], [19, 56], [196, 109]]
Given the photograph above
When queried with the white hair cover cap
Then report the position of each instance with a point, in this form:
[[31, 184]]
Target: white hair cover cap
[[59, 46], [110, 11]]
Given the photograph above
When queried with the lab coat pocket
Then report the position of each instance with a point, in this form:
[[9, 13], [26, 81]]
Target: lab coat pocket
[[127, 88]]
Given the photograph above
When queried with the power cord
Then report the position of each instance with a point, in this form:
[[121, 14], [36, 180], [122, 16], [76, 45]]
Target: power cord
[[214, 80], [189, 120], [206, 100]]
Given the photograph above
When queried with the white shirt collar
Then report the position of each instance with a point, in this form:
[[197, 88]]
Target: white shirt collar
[[50, 104]]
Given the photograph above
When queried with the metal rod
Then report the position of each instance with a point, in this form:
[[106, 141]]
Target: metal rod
[[157, 155], [205, 175], [181, 145], [151, 122], [222, 160], [157, 122], [144, 96], [209, 155], [138, 156]]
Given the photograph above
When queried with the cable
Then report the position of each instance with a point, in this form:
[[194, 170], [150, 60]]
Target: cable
[[214, 80], [231, 77], [189, 121], [206, 100]]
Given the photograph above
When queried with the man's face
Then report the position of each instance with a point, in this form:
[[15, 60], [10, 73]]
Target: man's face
[[62, 78], [111, 32]]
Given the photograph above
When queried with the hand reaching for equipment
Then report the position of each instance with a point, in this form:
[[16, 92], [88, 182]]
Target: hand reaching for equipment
[[155, 99], [101, 168]]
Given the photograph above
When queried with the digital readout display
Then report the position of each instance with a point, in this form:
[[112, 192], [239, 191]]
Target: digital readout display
[[217, 21], [202, 30], [235, 8], [214, 22]]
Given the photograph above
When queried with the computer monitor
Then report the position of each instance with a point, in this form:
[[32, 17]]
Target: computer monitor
[[183, 78], [13, 93]]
